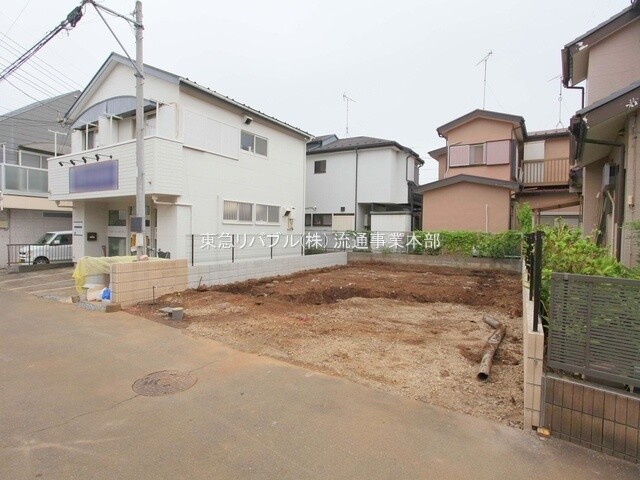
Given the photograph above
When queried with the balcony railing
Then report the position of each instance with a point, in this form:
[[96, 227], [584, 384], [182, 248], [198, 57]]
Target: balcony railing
[[26, 180], [551, 171], [163, 163]]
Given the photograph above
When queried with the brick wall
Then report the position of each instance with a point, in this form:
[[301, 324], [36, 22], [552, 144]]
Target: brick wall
[[600, 418], [533, 358], [141, 281]]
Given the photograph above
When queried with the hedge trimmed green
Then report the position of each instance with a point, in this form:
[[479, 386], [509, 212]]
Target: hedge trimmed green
[[476, 244]]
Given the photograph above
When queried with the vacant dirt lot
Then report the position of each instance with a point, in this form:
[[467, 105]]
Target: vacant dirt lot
[[413, 331]]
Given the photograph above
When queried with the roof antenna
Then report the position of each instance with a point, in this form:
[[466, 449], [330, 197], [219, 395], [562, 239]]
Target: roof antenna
[[347, 99], [484, 91], [559, 124]]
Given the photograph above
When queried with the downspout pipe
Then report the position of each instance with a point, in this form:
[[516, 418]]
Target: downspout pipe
[[572, 87], [618, 217], [355, 199], [410, 185], [566, 73]]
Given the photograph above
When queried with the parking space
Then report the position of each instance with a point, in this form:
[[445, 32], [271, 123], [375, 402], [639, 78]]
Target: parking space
[[57, 283]]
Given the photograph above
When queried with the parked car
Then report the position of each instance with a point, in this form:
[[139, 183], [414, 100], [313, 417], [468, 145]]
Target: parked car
[[50, 247]]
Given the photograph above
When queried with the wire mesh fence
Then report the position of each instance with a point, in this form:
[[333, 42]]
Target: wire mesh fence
[[231, 248]]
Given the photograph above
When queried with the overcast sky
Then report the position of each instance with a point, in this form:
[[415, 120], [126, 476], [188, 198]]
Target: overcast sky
[[410, 65]]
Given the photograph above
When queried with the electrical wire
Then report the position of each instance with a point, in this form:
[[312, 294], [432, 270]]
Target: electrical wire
[[30, 96], [52, 74], [17, 18], [71, 21], [32, 81]]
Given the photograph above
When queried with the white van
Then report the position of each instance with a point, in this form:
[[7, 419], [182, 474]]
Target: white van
[[50, 247]]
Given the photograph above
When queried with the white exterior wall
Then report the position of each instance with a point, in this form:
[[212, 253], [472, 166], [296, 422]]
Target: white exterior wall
[[330, 191], [212, 178], [193, 182], [382, 176], [391, 222], [94, 218]]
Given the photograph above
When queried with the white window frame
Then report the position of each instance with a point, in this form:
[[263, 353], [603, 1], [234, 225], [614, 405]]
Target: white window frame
[[237, 220], [273, 214], [43, 159], [252, 149]]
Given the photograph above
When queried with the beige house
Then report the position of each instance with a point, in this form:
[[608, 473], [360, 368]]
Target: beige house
[[490, 163], [605, 64]]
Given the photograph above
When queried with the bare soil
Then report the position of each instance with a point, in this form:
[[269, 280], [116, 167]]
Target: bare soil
[[415, 331]]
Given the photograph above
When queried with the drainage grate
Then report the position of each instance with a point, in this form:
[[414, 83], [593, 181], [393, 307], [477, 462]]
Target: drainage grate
[[166, 382]]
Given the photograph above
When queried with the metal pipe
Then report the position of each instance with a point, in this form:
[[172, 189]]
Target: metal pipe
[[355, 207]]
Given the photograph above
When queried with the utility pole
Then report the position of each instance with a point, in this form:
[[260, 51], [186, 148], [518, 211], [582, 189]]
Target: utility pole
[[140, 200]]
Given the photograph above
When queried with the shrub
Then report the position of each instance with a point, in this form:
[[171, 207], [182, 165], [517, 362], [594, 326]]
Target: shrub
[[492, 245], [566, 250]]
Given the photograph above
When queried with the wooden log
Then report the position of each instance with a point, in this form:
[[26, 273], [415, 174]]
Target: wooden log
[[491, 347]]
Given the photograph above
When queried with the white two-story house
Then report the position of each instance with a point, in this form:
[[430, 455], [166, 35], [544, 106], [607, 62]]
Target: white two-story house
[[212, 165], [351, 181]]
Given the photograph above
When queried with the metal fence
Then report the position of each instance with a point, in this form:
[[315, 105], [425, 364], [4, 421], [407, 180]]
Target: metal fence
[[533, 265], [230, 248], [594, 327], [26, 253]]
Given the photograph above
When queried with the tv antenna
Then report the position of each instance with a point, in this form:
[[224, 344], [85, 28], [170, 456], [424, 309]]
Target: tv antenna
[[484, 91], [559, 124], [347, 100]]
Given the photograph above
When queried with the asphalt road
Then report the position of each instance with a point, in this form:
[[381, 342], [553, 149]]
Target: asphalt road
[[68, 411], [54, 283]]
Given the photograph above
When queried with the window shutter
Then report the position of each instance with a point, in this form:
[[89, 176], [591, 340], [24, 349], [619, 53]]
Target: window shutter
[[498, 153], [458, 155]]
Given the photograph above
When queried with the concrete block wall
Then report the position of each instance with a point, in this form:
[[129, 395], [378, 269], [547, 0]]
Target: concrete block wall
[[533, 357], [135, 282], [218, 274], [500, 264], [593, 416]]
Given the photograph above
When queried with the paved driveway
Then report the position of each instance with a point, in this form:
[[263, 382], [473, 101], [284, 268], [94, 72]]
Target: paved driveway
[[68, 411], [56, 283]]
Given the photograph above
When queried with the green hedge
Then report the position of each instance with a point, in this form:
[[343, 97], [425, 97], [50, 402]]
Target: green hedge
[[477, 244]]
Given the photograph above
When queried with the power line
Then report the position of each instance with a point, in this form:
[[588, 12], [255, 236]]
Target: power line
[[72, 19], [30, 96], [19, 50], [41, 86], [17, 18]]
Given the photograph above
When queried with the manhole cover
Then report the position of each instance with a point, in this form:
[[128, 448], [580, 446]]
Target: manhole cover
[[166, 382]]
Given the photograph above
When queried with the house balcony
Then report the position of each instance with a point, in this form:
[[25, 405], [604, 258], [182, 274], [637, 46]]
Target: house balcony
[[111, 171], [21, 180], [546, 172]]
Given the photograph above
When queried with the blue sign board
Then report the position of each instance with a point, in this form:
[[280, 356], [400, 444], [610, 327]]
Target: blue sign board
[[94, 177]]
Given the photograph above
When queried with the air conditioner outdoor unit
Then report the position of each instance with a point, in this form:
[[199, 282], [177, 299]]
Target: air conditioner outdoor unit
[[609, 172]]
